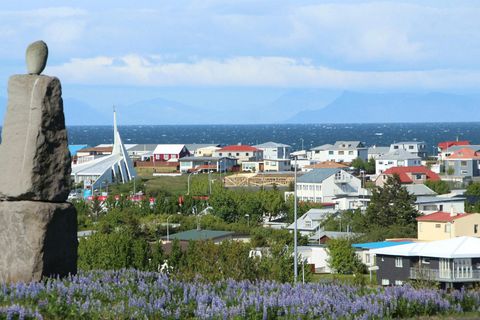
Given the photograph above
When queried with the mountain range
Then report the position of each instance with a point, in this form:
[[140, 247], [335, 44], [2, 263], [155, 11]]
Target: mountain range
[[293, 106]]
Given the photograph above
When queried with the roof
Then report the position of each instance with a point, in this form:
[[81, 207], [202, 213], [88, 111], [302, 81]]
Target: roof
[[348, 145], [142, 147], [317, 175], [73, 148], [399, 154], [379, 244], [465, 153], [459, 247], [419, 190], [272, 144], [378, 150], [447, 144], [437, 199], [238, 147], [408, 142], [314, 215], [168, 148], [332, 235], [474, 147], [213, 159], [324, 147], [441, 216], [195, 234], [326, 164], [96, 149], [192, 147], [403, 172]]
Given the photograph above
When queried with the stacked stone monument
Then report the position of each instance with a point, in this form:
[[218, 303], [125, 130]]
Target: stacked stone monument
[[38, 228]]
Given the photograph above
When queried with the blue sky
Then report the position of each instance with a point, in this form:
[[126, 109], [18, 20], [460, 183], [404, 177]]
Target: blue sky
[[201, 51]]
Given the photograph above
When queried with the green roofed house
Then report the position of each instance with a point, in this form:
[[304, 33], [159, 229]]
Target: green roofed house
[[197, 235]]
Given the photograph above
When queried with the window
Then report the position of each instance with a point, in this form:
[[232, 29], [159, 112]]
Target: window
[[238, 154], [395, 147], [246, 154], [418, 176], [475, 228], [308, 223], [398, 262], [463, 171], [463, 163], [367, 258], [350, 152], [426, 261], [398, 282], [220, 154], [410, 147], [341, 152], [380, 162], [330, 152], [447, 228], [385, 282], [438, 225]]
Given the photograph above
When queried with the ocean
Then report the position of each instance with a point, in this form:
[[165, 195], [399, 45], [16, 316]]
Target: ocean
[[310, 135]]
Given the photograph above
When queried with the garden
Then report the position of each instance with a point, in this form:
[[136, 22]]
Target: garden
[[133, 294]]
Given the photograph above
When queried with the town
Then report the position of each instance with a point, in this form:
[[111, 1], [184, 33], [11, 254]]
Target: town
[[331, 180]]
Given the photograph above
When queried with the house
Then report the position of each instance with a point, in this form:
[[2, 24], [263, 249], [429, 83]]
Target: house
[[452, 262], [446, 148], [316, 256], [141, 152], [202, 149], [353, 201], [205, 151], [170, 152], [100, 150], [341, 151], [310, 222], [417, 148], [276, 165], [397, 158], [376, 152], [201, 235], [443, 225], [240, 152], [464, 162], [218, 164], [322, 236], [324, 185], [407, 175], [363, 250], [274, 150], [431, 204]]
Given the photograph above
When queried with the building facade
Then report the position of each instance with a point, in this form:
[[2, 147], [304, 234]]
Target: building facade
[[341, 151]]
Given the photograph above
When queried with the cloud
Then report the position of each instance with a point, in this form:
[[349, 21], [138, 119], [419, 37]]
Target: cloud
[[140, 70]]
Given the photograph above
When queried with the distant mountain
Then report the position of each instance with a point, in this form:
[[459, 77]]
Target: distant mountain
[[354, 107], [161, 111], [291, 102], [78, 112]]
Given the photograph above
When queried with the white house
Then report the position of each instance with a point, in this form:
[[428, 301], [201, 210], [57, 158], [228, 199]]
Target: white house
[[431, 204], [202, 149], [397, 158], [417, 148], [377, 151], [218, 164], [325, 185], [310, 222], [274, 150], [277, 165], [341, 151], [240, 152]]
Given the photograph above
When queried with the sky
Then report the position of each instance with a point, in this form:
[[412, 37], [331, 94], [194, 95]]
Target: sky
[[210, 52]]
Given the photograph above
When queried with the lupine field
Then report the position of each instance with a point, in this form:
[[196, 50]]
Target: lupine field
[[131, 294]]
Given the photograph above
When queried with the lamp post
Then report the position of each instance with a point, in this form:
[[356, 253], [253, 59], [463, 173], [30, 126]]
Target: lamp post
[[248, 220], [209, 180], [168, 230], [302, 143], [295, 248]]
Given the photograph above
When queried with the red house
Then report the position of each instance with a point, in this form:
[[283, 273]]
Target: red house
[[407, 175], [170, 152]]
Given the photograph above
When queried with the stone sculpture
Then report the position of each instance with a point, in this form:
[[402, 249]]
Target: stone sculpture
[[38, 229]]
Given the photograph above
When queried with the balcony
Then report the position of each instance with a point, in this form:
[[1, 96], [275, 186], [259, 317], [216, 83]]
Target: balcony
[[457, 275], [342, 179]]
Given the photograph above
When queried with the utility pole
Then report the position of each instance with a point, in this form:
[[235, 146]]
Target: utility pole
[[295, 247]]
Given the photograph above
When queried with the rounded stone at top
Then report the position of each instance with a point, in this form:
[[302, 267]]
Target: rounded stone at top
[[36, 56]]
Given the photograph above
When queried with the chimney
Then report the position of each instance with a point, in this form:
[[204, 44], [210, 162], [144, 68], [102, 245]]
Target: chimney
[[452, 213]]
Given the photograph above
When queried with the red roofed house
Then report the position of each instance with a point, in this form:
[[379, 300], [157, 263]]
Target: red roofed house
[[463, 163], [412, 174], [446, 148], [444, 225], [240, 152]]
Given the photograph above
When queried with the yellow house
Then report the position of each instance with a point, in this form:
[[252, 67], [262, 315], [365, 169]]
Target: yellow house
[[443, 225]]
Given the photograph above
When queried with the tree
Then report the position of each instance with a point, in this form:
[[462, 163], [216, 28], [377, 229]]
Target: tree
[[391, 212], [473, 189], [368, 166], [440, 186], [342, 258]]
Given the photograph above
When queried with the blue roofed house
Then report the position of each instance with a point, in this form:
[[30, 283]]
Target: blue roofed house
[[325, 185]]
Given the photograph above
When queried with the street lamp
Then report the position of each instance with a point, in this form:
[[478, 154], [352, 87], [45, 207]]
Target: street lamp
[[302, 143], [209, 180], [168, 230], [248, 219], [295, 247]]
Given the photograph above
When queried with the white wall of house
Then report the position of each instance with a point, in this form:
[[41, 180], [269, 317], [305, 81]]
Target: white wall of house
[[277, 165], [347, 155], [342, 183], [384, 164], [414, 147], [241, 156], [446, 206]]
